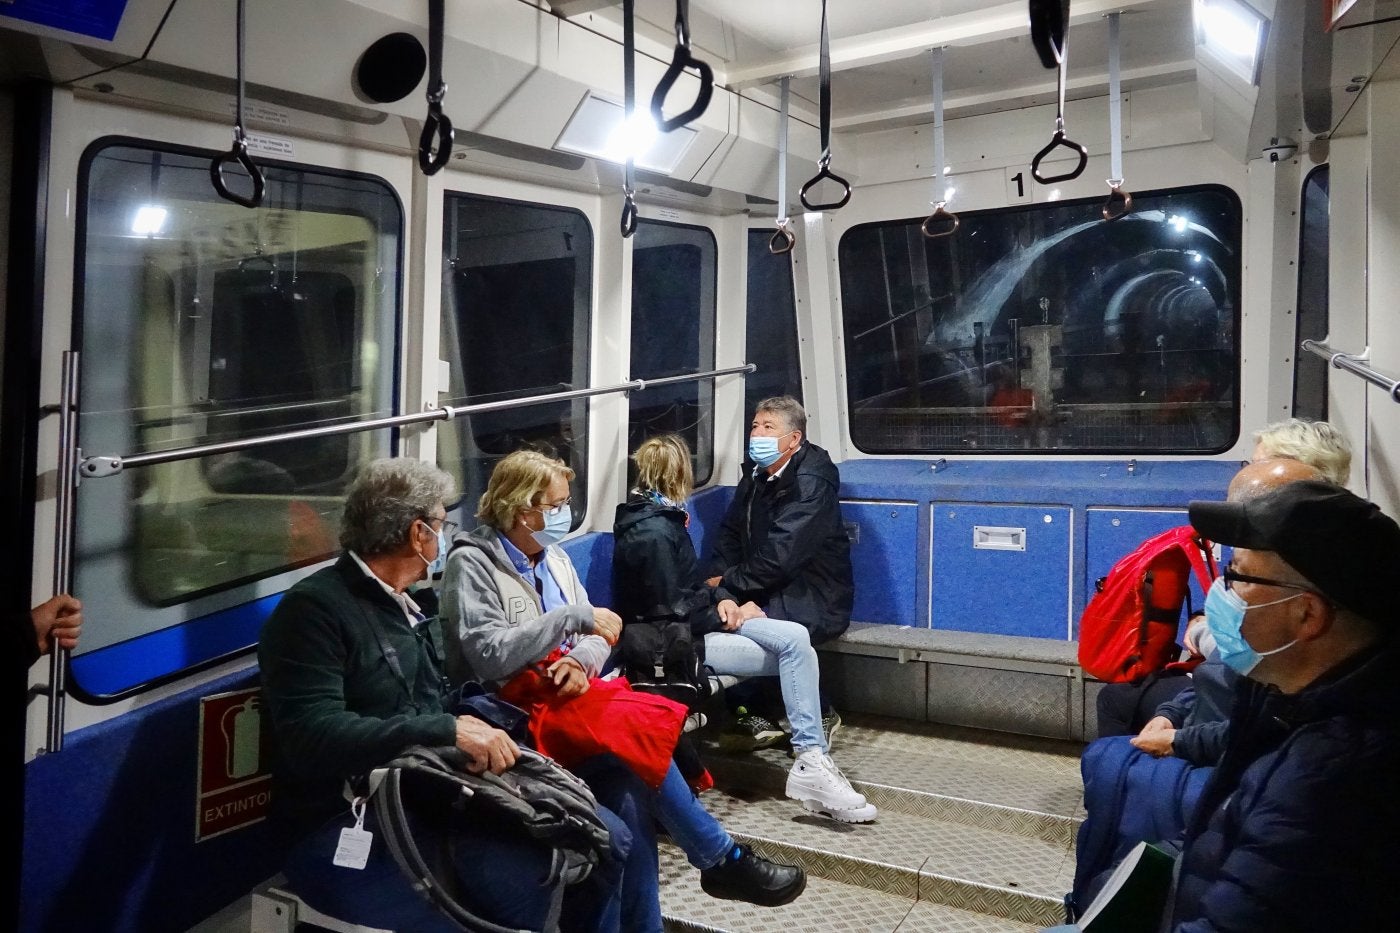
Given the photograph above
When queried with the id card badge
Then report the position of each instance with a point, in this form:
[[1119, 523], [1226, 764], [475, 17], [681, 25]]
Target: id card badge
[[355, 841]]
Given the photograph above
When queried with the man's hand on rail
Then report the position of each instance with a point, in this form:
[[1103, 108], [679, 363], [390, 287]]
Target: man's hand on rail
[[57, 621]]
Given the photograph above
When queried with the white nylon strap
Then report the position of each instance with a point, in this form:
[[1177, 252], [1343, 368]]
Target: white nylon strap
[[782, 154], [1115, 104], [938, 186]]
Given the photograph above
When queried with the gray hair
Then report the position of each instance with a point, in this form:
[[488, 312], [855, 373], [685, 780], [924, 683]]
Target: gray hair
[[386, 498], [787, 408], [1317, 443]]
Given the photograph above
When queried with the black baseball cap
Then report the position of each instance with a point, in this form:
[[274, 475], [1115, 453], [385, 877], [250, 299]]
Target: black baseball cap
[[1347, 547]]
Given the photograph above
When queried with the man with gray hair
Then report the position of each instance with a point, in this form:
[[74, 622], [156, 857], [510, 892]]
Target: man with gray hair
[[352, 676], [782, 547]]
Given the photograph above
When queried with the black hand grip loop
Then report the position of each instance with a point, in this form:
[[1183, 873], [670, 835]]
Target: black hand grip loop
[[238, 155], [437, 129], [940, 223], [824, 172], [628, 223], [679, 63], [1119, 202], [782, 241], [1057, 141]]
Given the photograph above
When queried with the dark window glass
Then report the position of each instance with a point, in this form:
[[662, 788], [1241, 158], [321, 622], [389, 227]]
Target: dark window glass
[[203, 321], [673, 332], [1047, 328], [1310, 370], [516, 300], [770, 334]]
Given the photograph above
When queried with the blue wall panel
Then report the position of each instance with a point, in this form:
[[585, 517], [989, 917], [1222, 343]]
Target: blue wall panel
[[885, 554], [109, 827], [1003, 592]]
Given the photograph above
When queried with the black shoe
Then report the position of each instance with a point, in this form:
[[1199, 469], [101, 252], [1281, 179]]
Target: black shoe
[[750, 732], [754, 879]]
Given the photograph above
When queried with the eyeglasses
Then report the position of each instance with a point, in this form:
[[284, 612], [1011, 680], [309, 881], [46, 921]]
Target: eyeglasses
[[1231, 577], [448, 527], [552, 509]]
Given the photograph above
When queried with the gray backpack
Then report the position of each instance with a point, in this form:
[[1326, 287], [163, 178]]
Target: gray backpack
[[432, 786]]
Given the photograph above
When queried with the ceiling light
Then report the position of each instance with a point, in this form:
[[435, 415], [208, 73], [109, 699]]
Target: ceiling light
[[149, 220], [1234, 33], [1178, 223], [598, 130]]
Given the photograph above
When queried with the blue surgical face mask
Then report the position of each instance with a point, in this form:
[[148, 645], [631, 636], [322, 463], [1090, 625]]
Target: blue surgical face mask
[[438, 564], [556, 526], [764, 450], [1225, 611]]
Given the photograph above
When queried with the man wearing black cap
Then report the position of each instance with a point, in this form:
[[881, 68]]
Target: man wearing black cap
[[1300, 826]]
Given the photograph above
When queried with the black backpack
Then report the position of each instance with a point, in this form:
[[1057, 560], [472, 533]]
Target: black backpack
[[661, 656], [430, 787]]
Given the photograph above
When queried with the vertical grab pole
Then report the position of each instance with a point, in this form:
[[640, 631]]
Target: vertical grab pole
[[63, 538]]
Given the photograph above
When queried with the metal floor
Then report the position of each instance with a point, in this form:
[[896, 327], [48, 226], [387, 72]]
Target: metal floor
[[975, 833]]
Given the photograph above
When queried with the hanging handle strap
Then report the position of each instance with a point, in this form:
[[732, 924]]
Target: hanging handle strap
[[1059, 140], [942, 222], [627, 223], [824, 163], [1119, 201], [680, 61], [238, 154], [782, 240], [435, 142]]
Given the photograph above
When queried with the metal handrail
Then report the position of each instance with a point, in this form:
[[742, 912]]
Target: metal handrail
[[1353, 363], [70, 470], [95, 467], [64, 508]]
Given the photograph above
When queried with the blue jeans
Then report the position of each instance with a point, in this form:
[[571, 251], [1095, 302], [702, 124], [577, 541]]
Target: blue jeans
[[690, 825], [763, 647], [502, 873]]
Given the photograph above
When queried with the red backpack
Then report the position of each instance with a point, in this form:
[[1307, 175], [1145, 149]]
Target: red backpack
[[1129, 627]]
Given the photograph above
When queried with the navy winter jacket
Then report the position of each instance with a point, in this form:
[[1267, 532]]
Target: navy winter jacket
[[1300, 827], [783, 545], [655, 572]]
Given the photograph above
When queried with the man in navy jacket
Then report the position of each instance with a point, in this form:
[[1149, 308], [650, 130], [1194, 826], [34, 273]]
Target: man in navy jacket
[[1299, 828]]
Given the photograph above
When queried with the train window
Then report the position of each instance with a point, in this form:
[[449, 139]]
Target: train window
[[517, 286], [770, 335], [673, 332], [1046, 328], [1310, 370], [201, 321]]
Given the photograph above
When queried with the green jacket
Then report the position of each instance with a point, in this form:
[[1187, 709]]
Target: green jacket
[[335, 702]]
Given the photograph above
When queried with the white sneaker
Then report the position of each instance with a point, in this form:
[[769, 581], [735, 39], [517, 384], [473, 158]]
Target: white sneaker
[[819, 784]]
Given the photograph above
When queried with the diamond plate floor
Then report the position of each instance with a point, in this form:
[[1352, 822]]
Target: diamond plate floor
[[975, 824], [828, 906]]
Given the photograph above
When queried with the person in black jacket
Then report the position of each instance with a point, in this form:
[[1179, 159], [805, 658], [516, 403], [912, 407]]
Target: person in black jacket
[[1300, 824], [782, 544], [656, 577], [1301, 819]]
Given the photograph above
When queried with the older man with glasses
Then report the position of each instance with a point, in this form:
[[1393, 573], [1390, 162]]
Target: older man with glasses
[[1300, 824], [352, 676]]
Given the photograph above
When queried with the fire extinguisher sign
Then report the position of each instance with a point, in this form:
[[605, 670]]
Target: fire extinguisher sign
[[235, 785]]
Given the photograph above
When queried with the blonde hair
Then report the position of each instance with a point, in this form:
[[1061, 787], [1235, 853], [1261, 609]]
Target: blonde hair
[[663, 465], [1316, 443], [516, 482]]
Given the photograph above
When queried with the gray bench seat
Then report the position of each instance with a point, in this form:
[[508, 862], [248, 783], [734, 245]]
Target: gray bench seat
[[1003, 682]]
